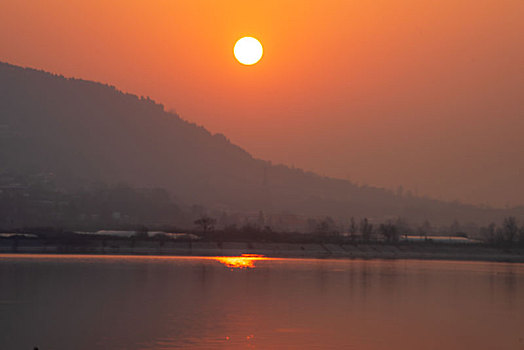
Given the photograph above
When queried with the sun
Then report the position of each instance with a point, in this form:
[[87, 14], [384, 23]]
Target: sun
[[248, 50]]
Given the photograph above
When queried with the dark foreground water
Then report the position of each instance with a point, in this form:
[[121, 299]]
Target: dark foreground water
[[104, 302]]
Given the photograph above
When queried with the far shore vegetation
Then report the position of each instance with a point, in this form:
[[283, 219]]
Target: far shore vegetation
[[506, 235]]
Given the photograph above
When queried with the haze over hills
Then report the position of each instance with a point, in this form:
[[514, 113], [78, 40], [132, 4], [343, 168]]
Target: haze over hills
[[86, 132]]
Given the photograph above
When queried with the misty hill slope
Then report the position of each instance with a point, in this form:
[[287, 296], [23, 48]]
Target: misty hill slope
[[87, 132]]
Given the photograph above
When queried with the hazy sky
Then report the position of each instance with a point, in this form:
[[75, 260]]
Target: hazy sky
[[424, 94]]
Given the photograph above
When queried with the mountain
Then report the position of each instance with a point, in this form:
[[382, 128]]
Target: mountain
[[85, 132]]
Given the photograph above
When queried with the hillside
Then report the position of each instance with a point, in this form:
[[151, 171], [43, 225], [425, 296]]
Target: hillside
[[85, 132]]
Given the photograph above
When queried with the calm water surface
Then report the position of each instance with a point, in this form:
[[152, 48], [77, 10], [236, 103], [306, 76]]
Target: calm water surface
[[108, 302]]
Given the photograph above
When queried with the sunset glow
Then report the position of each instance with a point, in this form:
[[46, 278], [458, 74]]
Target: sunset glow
[[389, 79], [371, 150]]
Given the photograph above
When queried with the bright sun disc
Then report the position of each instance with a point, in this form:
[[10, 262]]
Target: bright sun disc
[[248, 50]]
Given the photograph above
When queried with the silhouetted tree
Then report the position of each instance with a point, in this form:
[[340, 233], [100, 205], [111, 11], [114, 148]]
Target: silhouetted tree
[[327, 226], [206, 223], [261, 221], [366, 229], [424, 229], [402, 227], [389, 231], [352, 228], [489, 233], [510, 229]]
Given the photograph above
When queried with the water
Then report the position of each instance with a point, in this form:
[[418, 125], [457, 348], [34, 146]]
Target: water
[[104, 302]]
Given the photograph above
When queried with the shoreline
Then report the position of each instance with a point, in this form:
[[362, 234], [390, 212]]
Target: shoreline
[[280, 250]]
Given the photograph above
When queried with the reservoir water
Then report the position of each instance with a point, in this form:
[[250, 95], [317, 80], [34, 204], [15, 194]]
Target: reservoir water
[[130, 302]]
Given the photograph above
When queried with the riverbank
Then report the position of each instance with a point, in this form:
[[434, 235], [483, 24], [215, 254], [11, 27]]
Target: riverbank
[[277, 250]]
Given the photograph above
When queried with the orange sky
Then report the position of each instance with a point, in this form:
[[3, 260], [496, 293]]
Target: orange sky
[[424, 94]]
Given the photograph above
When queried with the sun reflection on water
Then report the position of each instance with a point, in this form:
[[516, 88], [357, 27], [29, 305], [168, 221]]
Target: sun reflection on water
[[245, 261]]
